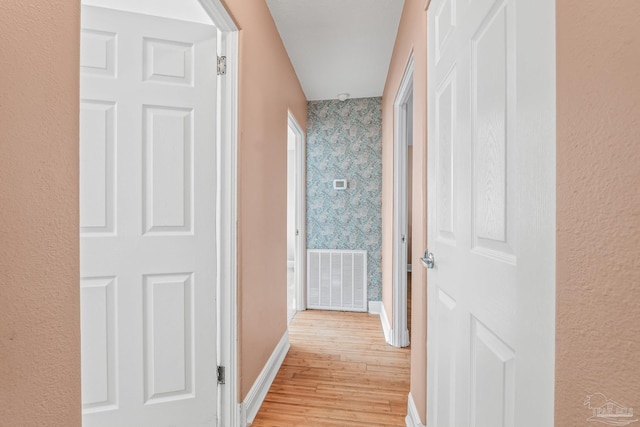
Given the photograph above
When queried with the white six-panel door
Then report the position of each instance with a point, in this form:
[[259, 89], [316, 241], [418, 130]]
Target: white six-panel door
[[148, 220], [491, 206]]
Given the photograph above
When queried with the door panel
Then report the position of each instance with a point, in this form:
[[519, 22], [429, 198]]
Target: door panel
[[446, 129], [148, 217], [445, 345], [98, 299], [168, 336], [492, 136], [490, 156], [97, 166], [167, 168], [492, 379]]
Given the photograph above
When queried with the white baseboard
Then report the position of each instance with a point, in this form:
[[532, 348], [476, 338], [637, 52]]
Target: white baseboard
[[413, 418], [255, 397], [377, 307]]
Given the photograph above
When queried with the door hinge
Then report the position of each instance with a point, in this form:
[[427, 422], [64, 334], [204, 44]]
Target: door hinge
[[222, 65], [220, 374]]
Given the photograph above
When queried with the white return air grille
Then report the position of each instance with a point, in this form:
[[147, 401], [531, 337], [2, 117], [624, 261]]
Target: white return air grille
[[337, 280]]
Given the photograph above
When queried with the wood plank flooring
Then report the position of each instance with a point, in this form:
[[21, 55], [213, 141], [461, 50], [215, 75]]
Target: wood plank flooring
[[338, 372]]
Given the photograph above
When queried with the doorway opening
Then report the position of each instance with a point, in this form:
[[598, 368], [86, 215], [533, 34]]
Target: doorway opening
[[403, 140], [296, 230]]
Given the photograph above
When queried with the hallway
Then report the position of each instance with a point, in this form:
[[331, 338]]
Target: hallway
[[339, 371]]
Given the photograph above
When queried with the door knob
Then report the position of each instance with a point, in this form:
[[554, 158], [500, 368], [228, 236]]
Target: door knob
[[428, 260]]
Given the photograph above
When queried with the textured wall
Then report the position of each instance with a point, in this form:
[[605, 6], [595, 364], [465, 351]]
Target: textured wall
[[268, 89], [39, 272], [412, 37], [598, 206], [344, 141]]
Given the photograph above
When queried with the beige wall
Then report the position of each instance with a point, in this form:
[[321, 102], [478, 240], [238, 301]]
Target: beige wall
[[39, 292], [598, 202], [598, 236], [268, 88], [412, 35]]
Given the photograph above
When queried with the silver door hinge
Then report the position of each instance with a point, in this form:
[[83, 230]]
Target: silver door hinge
[[222, 65], [220, 374]]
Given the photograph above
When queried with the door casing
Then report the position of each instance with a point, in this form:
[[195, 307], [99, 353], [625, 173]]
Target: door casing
[[301, 220], [399, 332]]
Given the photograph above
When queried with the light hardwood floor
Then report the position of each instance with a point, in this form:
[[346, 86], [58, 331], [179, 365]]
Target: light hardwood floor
[[338, 372]]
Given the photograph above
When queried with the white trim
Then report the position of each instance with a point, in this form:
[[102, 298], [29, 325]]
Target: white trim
[[400, 333], [413, 418], [377, 307], [301, 218], [431, 229], [386, 327], [219, 15], [227, 295], [261, 386]]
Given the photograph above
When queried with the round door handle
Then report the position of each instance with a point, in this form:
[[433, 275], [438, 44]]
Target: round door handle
[[428, 260]]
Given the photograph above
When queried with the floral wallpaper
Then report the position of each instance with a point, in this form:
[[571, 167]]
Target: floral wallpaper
[[344, 140]]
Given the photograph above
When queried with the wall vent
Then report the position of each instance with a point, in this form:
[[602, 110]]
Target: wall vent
[[337, 280]]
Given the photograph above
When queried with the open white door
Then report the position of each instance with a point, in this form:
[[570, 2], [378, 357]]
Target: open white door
[[148, 220], [491, 201]]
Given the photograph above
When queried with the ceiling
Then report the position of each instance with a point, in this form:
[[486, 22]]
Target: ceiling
[[338, 46]]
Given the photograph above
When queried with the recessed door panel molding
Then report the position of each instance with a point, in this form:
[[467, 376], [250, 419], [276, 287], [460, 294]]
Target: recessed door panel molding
[[492, 378], [445, 344], [168, 170], [98, 326], [168, 337], [167, 61], [445, 132], [491, 137], [98, 53], [445, 21], [97, 167]]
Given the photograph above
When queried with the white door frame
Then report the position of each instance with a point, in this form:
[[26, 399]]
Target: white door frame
[[227, 215], [301, 217], [399, 331]]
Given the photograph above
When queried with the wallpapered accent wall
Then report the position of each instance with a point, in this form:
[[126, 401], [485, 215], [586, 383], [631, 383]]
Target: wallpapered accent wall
[[344, 140]]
